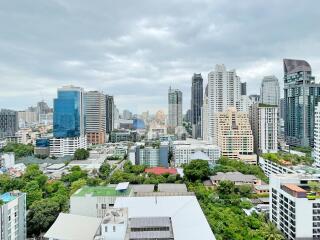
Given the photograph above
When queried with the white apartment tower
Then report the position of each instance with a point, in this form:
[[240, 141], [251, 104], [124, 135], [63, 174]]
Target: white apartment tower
[[264, 123], [270, 91], [224, 90], [317, 135]]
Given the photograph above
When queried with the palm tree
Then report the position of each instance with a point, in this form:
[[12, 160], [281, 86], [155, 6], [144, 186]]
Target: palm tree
[[272, 232]]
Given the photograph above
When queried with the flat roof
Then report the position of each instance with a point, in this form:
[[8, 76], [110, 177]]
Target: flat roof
[[188, 220], [122, 186], [71, 227], [172, 187], [142, 188], [7, 197], [294, 188], [150, 222], [100, 191]]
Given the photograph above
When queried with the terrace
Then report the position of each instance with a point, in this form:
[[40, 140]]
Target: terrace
[[101, 191], [307, 189]]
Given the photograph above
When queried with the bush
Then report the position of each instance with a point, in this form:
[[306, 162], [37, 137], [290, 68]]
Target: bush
[[81, 154]]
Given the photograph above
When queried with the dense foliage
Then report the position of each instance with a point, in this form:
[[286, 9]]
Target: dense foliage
[[20, 150], [230, 165], [81, 154], [283, 157], [196, 170]]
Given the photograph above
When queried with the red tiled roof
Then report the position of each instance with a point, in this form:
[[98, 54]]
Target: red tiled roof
[[161, 170]]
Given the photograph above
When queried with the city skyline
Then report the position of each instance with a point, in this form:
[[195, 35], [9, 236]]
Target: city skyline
[[81, 46]]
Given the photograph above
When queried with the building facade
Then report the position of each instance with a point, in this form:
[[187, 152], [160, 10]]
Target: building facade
[[270, 91], [196, 105], [175, 108], [264, 123], [317, 136], [109, 114], [9, 123], [301, 95], [95, 120], [152, 156]]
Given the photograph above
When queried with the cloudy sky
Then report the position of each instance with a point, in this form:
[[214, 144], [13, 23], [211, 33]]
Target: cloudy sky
[[136, 49]]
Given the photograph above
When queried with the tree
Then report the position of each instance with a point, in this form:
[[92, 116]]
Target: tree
[[81, 154], [41, 216], [196, 170], [20, 150], [77, 185], [314, 186], [33, 191], [225, 188], [272, 232], [104, 170]]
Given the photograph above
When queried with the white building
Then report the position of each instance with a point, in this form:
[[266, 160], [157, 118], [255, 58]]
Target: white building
[[185, 151], [264, 123], [294, 207], [270, 91], [205, 117], [244, 104], [7, 160], [317, 135], [60, 147], [13, 216], [224, 90]]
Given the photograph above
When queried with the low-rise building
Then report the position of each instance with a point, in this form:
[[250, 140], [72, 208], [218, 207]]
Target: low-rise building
[[13, 216], [236, 177], [60, 147], [7, 160], [152, 156], [124, 136]]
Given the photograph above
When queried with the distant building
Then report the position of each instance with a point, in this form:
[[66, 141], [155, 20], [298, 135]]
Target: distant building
[[7, 160], [317, 136], [254, 98], [152, 156], [13, 214], [127, 115], [196, 105], [109, 114], [95, 120], [9, 123], [138, 124], [123, 136], [205, 117], [236, 177], [270, 91], [175, 108], [244, 104], [42, 147], [234, 135], [161, 170], [301, 95], [243, 88], [264, 122]]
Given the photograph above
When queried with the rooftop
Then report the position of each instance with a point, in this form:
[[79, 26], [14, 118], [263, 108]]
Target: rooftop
[[100, 191], [233, 177], [9, 196], [161, 170]]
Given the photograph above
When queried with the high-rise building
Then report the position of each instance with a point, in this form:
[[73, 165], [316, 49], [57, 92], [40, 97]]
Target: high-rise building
[[109, 114], [270, 91], [9, 123], [282, 109], [95, 121], [68, 122], [196, 104], [301, 95], [264, 122], [234, 135], [13, 216], [294, 206], [223, 92], [317, 136], [243, 88], [127, 115], [244, 104], [175, 108], [205, 116]]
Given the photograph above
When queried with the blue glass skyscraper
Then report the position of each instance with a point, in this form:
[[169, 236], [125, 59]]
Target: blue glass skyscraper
[[68, 115]]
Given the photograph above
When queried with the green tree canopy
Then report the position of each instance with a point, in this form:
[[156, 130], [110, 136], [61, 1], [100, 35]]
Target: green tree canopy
[[81, 154], [196, 170]]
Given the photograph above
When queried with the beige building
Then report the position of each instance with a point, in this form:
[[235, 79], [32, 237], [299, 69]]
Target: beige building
[[234, 135]]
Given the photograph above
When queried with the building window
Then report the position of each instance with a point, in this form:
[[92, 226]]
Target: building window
[[106, 228], [103, 206], [114, 228]]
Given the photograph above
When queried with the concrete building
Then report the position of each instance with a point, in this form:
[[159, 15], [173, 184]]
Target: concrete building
[[110, 114], [27, 118], [223, 92], [243, 88], [205, 117], [185, 151], [301, 95], [317, 136], [175, 108], [294, 208], [270, 91], [13, 216], [60, 147], [234, 135], [9, 123], [95, 121], [236, 177], [196, 105], [244, 104], [152, 156], [264, 122], [123, 136], [7, 160]]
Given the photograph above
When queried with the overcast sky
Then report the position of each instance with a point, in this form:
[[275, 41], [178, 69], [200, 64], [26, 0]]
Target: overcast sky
[[136, 49]]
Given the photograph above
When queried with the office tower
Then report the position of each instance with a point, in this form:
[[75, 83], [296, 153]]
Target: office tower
[[317, 136], [9, 123], [187, 116], [27, 118], [301, 95], [196, 104], [243, 88], [127, 115], [109, 114], [175, 108], [270, 91], [223, 92], [234, 135], [282, 108], [294, 206], [95, 121], [116, 117], [205, 116], [152, 156], [264, 122], [68, 122], [13, 216], [160, 117]]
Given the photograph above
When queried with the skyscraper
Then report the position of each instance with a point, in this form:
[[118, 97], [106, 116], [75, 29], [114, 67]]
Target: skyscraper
[[270, 91], [95, 121], [301, 95], [205, 116], [223, 92], [9, 123], [175, 108], [243, 88], [109, 114], [196, 104], [317, 136]]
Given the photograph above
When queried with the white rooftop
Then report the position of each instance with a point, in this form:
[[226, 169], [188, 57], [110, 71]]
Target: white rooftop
[[188, 220], [199, 155], [122, 186], [71, 227]]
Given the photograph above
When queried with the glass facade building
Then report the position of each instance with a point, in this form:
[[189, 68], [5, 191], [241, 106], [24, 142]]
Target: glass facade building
[[68, 116], [196, 104], [301, 95]]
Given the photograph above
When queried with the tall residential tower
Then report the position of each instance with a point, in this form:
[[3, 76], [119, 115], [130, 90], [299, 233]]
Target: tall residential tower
[[175, 108], [196, 104], [270, 91]]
